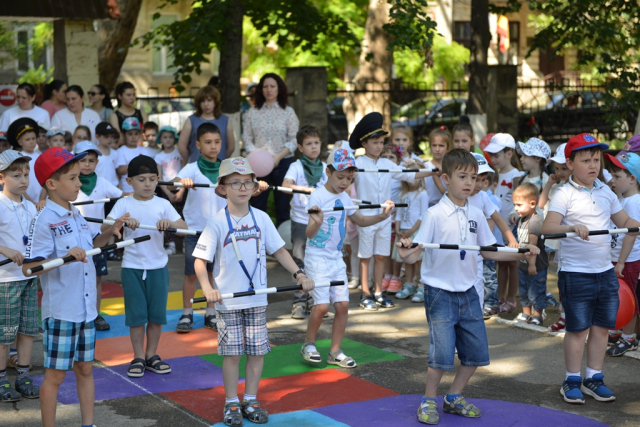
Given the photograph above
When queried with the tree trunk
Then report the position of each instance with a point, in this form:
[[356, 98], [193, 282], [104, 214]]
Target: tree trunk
[[479, 70], [374, 73], [230, 60], [115, 37]]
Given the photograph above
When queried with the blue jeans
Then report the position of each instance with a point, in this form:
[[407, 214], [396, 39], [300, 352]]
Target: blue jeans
[[490, 283], [533, 289], [589, 299], [455, 322]]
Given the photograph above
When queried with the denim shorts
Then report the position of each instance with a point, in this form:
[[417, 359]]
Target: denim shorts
[[455, 322], [589, 299], [533, 289], [189, 260], [100, 262]]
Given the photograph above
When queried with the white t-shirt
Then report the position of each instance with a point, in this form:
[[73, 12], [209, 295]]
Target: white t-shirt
[[330, 238], [631, 206], [125, 155], [40, 115], [202, 203], [34, 189], [434, 193], [483, 202], [579, 205], [170, 163], [418, 204], [448, 223], [103, 189], [15, 220], [149, 255], [106, 167], [552, 243], [299, 201], [215, 241], [504, 192], [66, 120]]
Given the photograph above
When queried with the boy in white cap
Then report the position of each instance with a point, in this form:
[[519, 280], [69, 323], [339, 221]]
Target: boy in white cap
[[238, 239]]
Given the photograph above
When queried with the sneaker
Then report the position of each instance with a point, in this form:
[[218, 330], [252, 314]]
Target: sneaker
[[101, 324], [595, 388], [570, 390], [536, 320], [298, 312], [383, 302], [252, 411], [394, 286], [489, 312], [385, 284], [551, 301], [354, 283], [232, 414], [559, 326], [459, 406], [522, 318], [622, 346], [613, 339], [408, 289], [170, 250], [368, 303], [418, 296], [428, 412]]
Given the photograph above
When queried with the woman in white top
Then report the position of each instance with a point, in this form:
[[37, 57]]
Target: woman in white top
[[100, 102], [76, 114], [25, 95]]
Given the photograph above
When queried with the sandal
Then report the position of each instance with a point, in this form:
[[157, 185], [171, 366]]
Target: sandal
[[210, 322], [507, 307], [428, 412], [232, 414], [252, 411], [7, 394], [153, 364], [27, 388], [310, 355], [347, 362], [559, 326], [13, 362], [185, 327], [136, 364]]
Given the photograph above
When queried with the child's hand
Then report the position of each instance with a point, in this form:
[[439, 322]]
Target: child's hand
[[179, 195], [163, 224], [117, 226], [532, 270], [212, 295], [316, 217], [390, 206], [553, 178], [514, 243], [13, 255], [40, 205], [311, 189], [188, 183], [513, 218], [404, 247], [307, 284], [262, 186], [533, 250], [78, 253], [132, 223], [618, 269], [582, 230]]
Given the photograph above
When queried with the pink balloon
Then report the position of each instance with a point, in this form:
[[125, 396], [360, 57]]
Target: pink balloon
[[261, 162]]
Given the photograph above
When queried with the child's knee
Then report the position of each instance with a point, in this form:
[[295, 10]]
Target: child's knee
[[190, 280], [83, 369], [55, 376], [379, 258], [321, 308], [341, 307], [233, 359]]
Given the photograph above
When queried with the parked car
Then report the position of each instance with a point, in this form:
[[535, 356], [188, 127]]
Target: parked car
[[167, 111], [423, 115], [338, 126]]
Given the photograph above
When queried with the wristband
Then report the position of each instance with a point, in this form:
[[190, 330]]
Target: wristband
[[295, 275]]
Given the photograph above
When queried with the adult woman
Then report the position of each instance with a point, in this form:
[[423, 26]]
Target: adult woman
[[76, 114], [100, 102], [271, 125], [208, 110], [126, 96], [25, 95], [55, 97]]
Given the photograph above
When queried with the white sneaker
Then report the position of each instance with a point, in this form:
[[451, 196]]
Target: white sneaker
[[354, 283], [170, 250]]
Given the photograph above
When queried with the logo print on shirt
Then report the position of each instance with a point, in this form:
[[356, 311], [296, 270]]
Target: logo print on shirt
[[61, 228], [473, 226], [245, 233]]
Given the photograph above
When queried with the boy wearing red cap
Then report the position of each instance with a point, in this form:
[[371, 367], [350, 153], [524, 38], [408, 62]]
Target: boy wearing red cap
[[69, 295], [587, 282]]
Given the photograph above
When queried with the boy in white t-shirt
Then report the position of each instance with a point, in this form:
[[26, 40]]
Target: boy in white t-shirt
[[105, 135], [306, 174], [238, 238], [131, 129], [450, 298], [95, 187], [145, 276], [324, 263]]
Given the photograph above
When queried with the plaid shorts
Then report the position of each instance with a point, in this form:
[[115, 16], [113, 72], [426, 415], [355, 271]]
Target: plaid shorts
[[243, 332], [18, 310], [67, 342]]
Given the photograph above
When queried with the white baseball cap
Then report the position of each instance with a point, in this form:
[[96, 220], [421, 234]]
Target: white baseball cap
[[535, 147], [483, 165], [559, 156], [499, 142]]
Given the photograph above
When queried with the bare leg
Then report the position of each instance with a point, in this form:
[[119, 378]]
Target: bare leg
[[596, 347], [364, 275], [409, 271], [315, 320], [630, 327], [434, 376], [462, 378], [378, 271], [514, 282], [86, 390], [154, 331], [49, 395], [503, 279], [574, 348], [24, 346], [230, 373], [339, 324], [136, 334], [4, 356], [253, 372]]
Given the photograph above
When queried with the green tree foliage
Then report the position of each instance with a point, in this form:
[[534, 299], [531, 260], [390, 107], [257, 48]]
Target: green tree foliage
[[37, 45], [410, 27]]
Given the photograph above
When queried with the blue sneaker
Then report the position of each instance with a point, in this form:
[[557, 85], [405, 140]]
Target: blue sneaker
[[571, 390], [595, 388]]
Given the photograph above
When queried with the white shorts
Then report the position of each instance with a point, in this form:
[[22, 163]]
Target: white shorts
[[375, 239], [323, 271]]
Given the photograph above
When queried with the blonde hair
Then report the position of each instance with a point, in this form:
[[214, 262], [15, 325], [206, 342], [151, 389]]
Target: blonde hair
[[443, 133], [527, 191], [407, 131], [406, 189]]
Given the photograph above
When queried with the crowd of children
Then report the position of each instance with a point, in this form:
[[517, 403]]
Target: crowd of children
[[511, 195]]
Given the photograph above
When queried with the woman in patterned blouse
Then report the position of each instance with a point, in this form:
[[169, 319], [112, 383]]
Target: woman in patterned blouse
[[272, 125]]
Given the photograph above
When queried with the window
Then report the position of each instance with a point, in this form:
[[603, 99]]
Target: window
[[22, 39], [514, 42], [462, 33], [161, 59], [31, 53]]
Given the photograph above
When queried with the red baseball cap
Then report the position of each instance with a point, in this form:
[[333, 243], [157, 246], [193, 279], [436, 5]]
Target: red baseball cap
[[52, 160], [581, 142]]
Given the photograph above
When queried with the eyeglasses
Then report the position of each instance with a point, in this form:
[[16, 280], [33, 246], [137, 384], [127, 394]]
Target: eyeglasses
[[92, 93], [236, 185]]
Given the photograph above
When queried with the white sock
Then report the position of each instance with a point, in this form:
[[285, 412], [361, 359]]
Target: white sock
[[211, 311], [338, 355], [378, 294], [548, 293], [614, 332], [310, 347], [186, 311], [387, 276], [249, 397], [592, 372], [629, 337], [562, 315], [172, 244], [572, 374], [232, 400]]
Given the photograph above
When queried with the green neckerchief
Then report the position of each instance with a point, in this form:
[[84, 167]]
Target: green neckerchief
[[312, 169], [209, 169], [88, 183]]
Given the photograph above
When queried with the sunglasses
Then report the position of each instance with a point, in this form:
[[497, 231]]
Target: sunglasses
[[93, 93]]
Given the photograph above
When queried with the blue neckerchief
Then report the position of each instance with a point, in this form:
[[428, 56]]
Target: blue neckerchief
[[235, 246]]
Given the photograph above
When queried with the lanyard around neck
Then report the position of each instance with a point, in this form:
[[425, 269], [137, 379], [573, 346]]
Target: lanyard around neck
[[25, 239], [232, 233]]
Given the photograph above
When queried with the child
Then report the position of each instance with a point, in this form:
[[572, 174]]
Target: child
[[202, 204], [131, 130], [95, 187], [323, 262], [22, 134], [169, 161], [626, 254], [402, 136], [439, 144], [55, 136], [450, 298], [502, 152], [145, 276], [532, 272], [42, 141], [18, 294], [535, 153], [68, 141], [307, 174], [149, 133], [391, 282], [587, 282], [407, 224], [69, 293], [232, 237], [82, 133], [106, 134], [463, 134], [374, 187], [4, 143]]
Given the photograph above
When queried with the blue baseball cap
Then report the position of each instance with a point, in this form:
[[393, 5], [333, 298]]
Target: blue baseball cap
[[131, 123], [169, 129], [627, 161], [342, 160], [87, 146], [54, 131]]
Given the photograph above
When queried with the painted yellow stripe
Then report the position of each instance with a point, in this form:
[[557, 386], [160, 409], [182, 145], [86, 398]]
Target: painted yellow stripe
[[115, 306]]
